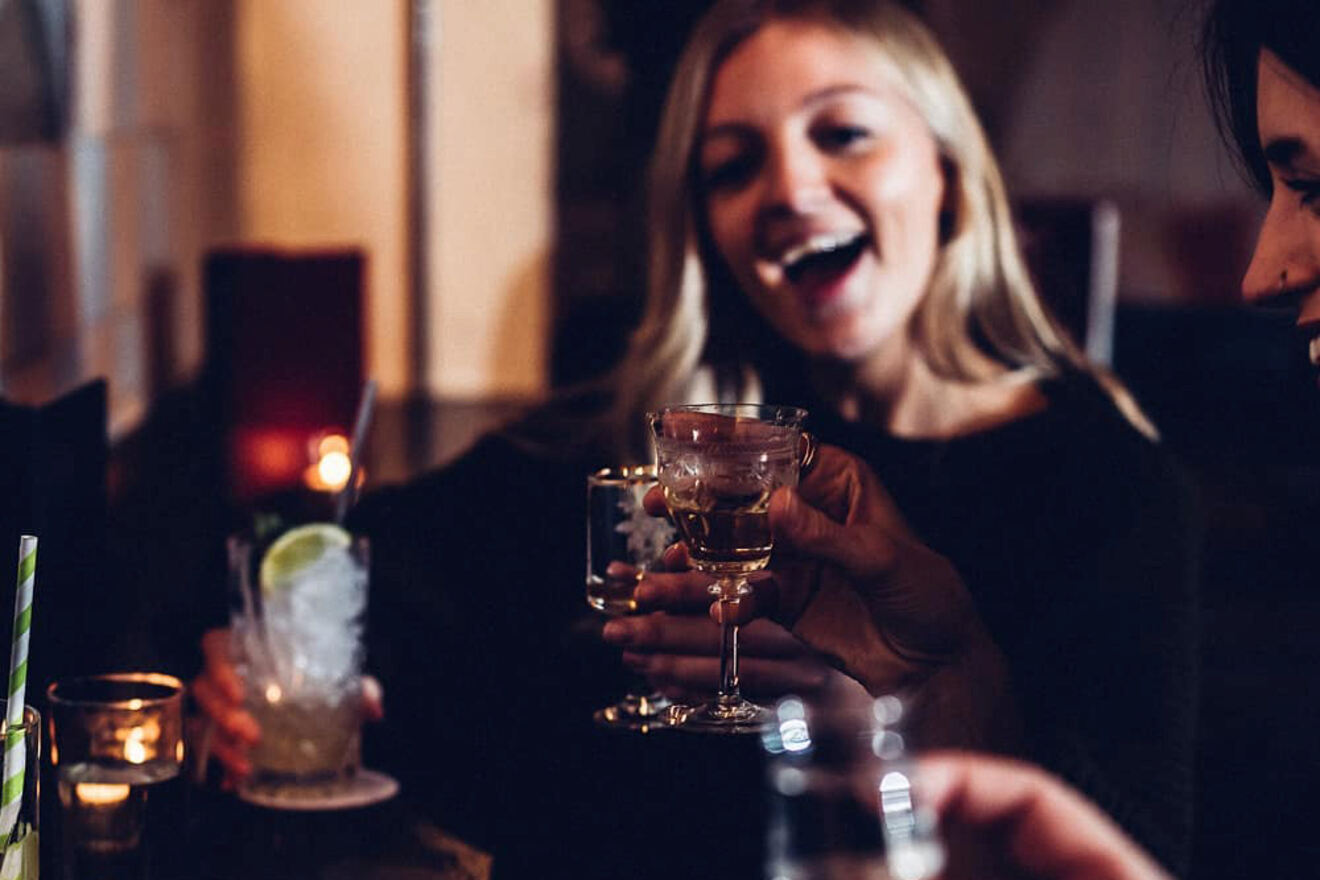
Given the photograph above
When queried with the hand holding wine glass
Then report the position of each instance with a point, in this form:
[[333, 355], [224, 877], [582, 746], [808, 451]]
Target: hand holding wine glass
[[852, 581], [678, 651]]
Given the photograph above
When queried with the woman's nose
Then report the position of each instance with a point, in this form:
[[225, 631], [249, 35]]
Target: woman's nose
[[797, 179], [1287, 256]]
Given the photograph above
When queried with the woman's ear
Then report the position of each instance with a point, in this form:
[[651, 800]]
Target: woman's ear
[[948, 217]]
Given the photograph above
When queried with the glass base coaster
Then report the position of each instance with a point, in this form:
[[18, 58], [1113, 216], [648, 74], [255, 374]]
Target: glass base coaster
[[367, 787]]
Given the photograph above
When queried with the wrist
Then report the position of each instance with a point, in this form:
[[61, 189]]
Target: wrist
[[966, 701]]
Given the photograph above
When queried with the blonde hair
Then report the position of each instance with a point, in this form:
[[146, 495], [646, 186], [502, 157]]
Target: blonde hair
[[980, 302]]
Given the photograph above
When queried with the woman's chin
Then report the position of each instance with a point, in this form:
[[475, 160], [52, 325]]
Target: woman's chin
[[843, 346], [846, 336]]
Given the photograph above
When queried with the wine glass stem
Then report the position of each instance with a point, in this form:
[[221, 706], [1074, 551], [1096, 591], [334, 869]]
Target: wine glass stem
[[728, 660], [730, 591]]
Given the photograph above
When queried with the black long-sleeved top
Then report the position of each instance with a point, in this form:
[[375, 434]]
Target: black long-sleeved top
[[1077, 539], [1071, 530]]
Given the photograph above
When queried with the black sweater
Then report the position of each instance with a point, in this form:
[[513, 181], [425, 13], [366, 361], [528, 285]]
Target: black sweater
[[1071, 530], [1076, 537]]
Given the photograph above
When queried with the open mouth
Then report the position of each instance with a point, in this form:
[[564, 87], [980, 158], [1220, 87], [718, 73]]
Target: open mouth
[[823, 259]]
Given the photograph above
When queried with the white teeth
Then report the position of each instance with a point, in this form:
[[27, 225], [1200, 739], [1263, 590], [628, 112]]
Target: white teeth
[[817, 244], [1315, 351]]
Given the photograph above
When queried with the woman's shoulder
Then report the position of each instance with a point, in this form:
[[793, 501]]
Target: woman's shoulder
[[500, 471], [501, 514], [1089, 433], [1087, 459], [1079, 465], [1081, 427]]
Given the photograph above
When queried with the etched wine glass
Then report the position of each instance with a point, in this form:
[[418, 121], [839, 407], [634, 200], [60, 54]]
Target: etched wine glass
[[718, 465], [623, 543]]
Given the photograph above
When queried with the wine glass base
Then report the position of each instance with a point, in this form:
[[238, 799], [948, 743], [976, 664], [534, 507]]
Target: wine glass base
[[737, 716], [635, 712]]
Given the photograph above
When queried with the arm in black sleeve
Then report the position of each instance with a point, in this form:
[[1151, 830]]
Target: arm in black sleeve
[[1115, 699]]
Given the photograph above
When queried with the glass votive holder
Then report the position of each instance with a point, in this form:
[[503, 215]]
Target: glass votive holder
[[116, 748]]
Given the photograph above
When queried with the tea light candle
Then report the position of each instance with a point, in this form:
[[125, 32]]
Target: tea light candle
[[97, 794], [103, 816]]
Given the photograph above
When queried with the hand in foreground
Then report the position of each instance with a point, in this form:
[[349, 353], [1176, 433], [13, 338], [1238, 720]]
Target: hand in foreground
[[218, 693], [1001, 818]]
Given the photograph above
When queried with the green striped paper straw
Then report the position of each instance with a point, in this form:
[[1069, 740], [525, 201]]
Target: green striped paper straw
[[11, 795]]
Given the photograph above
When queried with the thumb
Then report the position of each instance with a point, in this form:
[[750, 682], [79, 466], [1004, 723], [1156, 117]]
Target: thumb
[[799, 527]]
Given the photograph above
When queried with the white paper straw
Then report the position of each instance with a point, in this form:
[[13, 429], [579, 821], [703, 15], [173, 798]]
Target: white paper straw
[[15, 760]]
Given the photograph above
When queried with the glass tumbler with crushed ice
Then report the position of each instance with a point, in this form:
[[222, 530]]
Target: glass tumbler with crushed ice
[[298, 608]]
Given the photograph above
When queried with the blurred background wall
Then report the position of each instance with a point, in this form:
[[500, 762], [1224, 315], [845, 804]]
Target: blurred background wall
[[488, 170], [485, 160], [194, 125], [318, 158]]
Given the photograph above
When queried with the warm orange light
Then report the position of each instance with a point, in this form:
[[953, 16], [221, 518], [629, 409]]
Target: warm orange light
[[332, 443], [135, 750], [330, 470], [100, 794], [334, 468], [268, 457]]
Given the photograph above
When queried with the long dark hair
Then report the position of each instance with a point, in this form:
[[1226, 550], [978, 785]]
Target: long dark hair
[[1235, 33]]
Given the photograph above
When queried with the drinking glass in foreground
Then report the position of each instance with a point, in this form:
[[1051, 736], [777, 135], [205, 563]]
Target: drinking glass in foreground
[[842, 803]]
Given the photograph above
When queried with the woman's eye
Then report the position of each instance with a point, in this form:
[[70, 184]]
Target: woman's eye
[[1308, 189], [728, 173], [841, 136]]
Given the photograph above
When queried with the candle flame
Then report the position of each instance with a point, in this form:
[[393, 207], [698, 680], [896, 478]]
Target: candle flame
[[135, 751], [101, 794]]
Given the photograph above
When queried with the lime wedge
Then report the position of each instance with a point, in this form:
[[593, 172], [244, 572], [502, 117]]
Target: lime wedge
[[297, 549]]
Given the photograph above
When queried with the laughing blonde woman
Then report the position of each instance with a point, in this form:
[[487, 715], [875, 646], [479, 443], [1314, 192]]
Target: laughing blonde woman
[[1004, 541]]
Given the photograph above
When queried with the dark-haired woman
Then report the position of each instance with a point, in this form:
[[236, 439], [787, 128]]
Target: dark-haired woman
[[1263, 70]]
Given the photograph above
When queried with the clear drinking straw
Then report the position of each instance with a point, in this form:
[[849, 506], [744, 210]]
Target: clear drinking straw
[[349, 493]]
